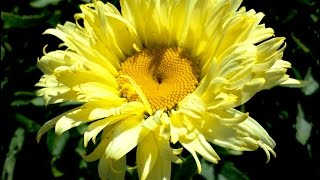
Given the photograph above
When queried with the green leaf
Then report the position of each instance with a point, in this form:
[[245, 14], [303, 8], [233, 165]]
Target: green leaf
[[303, 127], [16, 21], [292, 14], [24, 93], [231, 172], [38, 101], [314, 18], [187, 169], [207, 170], [81, 150], [14, 148], [4, 82], [27, 123], [300, 44], [83, 164], [55, 171], [43, 3], [23, 99], [306, 2], [3, 51], [311, 84], [19, 102], [56, 144], [81, 128]]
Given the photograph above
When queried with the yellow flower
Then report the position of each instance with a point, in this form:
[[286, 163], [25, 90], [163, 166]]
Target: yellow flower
[[162, 73]]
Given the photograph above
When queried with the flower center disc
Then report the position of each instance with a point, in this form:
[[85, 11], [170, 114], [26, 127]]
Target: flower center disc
[[165, 75]]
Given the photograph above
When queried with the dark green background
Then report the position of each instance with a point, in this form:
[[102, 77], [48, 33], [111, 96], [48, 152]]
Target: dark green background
[[22, 113]]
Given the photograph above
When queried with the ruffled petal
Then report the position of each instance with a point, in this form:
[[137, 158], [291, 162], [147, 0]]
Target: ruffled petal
[[158, 13], [201, 146], [80, 73], [53, 91], [54, 59], [77, 39], [110, 28]]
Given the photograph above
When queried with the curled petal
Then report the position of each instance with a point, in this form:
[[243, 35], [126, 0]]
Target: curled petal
[[201, 146], [50, 124]]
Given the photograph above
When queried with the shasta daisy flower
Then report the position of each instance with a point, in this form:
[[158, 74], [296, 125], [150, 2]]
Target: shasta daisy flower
[[160, 73]]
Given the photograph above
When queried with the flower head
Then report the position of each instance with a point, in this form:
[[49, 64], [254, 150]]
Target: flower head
[[160, 73]]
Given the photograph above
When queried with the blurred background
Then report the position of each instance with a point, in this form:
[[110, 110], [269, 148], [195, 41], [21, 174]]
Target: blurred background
[[290, 115]]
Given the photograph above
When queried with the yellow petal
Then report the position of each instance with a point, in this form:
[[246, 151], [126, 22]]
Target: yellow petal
[[54, 59], [126, 136], [217, 133], [275, 77], [237, 29], [46, 127], [98, 109], [256, 130], [153, 122], [267, 149], [269, 47], [95, 90], [147, 155], [50, 124], [176, 127], [192, 105], [98, 152], [234, 120], [193, 153], [80, 73], [215, 17], [167, 153], [111, 29], [201, 146], [249, 90], [180, 20], [110, 169], [290, 82], [77, 40], [161, 170], [72, 119], [260, 33], [57, 94], [157, 25], [140, 93], [94, 128], [103, 108]]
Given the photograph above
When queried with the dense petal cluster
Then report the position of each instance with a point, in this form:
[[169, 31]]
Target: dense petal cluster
[[160, 73]]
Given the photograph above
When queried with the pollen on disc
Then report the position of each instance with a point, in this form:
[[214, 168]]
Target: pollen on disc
[[165, 75]]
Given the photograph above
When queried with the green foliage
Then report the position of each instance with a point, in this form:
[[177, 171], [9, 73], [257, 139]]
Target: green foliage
[[186, 170], [43, 3], [14, 149], [289, 115], [231, 172], [11, 20], [303, 127]]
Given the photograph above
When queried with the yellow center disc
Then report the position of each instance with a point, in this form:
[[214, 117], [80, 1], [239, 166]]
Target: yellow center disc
[[165, 75]]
